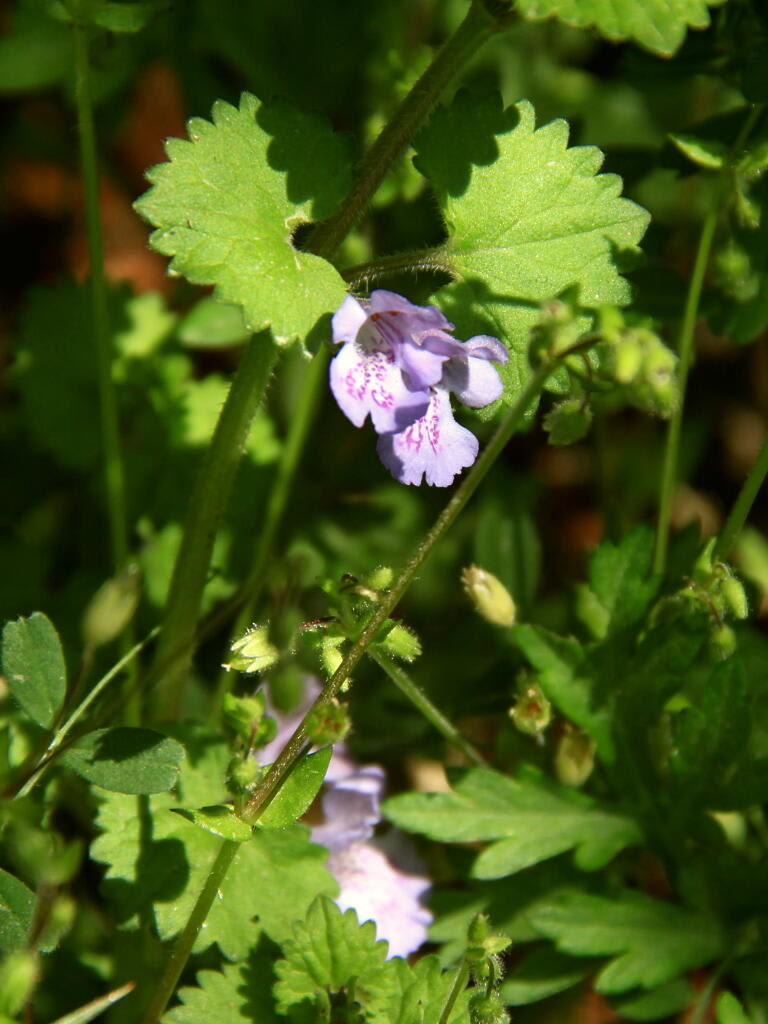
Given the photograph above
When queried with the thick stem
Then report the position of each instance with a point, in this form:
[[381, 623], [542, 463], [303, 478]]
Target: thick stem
[[743, 504], [102, 335], [459, 984], [295, 745], [478, 25], [182, 947], [422, 703], [207, 504], [430, 260], [685, 346]]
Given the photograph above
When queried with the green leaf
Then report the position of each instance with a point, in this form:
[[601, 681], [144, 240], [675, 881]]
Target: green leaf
[[529, 819], [219, 820], [126, 760], [507, 545], [33, 663], [665, 1001], [707, 153], [730, 1011], [652, 942], [227, 202], [156, 862], [96, 1007], [402, 994], [564, 676], [298, 791], [213, 324], [330, 951], [239, 992], [17, 903], [36, 54], [658, 25], [114, 16], [527, 217], [542, 973], [620, 580]]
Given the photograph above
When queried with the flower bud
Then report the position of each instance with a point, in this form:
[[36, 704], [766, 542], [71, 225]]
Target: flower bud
[[626, 362], [567, 422], [242, 774], [111, 608], [735, 597], [532, 712], [401, 642], [328, 723], [557, 331], [243, 714], [331, 657], [574, 758], [487, 1008], [489, 596], [722, 642], [252, 652]]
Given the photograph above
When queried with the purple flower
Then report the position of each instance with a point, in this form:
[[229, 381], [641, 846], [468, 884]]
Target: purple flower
[[398, 363]]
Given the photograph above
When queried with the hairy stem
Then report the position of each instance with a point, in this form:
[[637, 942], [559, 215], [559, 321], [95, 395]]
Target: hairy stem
[[206, 508], [478, 26], [295, 745], [422, 703], [182, 946], [685, 346], [431, 260], [110, 429], [459, 984], [743, 503]]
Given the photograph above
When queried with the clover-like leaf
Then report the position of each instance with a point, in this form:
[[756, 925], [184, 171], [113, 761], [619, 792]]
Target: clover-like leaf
[[529, 819], [658, 25], [228, 200], [33, 663], [652, 942]]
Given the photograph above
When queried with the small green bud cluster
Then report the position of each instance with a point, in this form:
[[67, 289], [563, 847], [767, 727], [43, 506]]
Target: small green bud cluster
[[483, 957], [252, 652], [574, 757], [714, 587], [531, 712], [490, 597], [246, 718], [328, 723], [557, 331], [638, 361]]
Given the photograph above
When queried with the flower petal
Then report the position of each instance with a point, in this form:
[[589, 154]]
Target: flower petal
[[475, 383], [484, 346], [435, 446], [347, 320], [365, 379], [351, 809], [415, 318]]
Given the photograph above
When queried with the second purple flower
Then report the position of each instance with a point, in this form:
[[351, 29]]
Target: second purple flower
[[399, 363]]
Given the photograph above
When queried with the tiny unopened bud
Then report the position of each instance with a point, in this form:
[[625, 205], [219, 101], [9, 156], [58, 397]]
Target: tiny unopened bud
[[722, 641], [243, 714], [328, 723], [252, 652], [574, 758], [111, 608], [402, 642], [487, 1008], [489, 596], [735, 597], [627, 360], [478, 930], [242, 774], [531, 712], [567, 422], [331, 657], [381, 578]]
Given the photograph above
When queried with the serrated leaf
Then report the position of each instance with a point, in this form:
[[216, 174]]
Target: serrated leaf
[[330, 951], [33, 663], [126, 760], [17, 903], [565, 679], [298, 791], [658, 25], [157, 862], [620, 580], [219, 820], [529, 821], [652, 942], [239, 992], [541, 973], [227, 202], [405, 994], [527, 216]]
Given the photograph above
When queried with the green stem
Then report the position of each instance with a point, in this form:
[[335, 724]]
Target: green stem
[[431, 260], [685, 347], [102, 335], [182, 947], [205, 510], [743, 504], [295, 745], [422, 703], [80, 710], [458, 986], [478, 26]]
